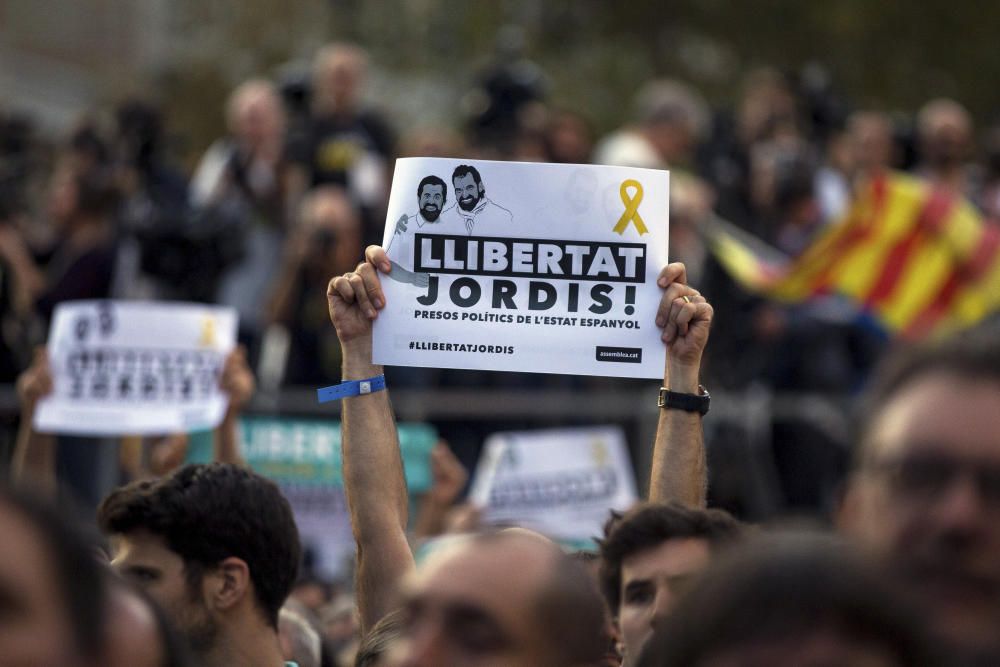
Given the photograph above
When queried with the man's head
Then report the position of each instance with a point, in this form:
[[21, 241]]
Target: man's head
[[944, 129], [338, 77], [925, 494], [869, 139], [300, 643], [647, 557], [254, 113], [509, 598], [51, 588], [215, 545], [432, 193], [469, 189], [789, 600], [673, 117]]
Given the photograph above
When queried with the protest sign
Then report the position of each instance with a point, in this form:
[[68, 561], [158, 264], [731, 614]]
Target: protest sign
[[524, 267], [303, 458], [131, 368], [559, 482]]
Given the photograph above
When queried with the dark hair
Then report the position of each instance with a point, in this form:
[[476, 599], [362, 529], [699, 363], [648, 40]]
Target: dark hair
[[78, 575], [433, 180], [650, 524], [464, 170], [87, 140], [96, 194], [207, 513], [974, 355], [782, 587], [375, 644]]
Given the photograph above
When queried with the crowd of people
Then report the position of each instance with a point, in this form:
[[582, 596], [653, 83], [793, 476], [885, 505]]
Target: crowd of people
[[201, 564]]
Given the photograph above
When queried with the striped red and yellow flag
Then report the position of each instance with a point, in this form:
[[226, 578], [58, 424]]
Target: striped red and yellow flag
[[920, 260]]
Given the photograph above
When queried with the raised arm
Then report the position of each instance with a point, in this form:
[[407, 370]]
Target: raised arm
[[237, 380], [373, 467], [34, 460], [678, 469], [448, 477]]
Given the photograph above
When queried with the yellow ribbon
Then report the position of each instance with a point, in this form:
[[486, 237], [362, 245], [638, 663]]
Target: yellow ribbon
[[631, 213], [207, 332]]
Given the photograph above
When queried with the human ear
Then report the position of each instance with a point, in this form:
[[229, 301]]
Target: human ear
[[232, 583]]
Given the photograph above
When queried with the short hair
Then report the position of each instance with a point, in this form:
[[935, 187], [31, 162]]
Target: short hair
[[973, 355], [433, 180], [377, 641], [96, 193], [207, 513], [464, 170], [780, 587], [650, 524], [249, 91], [304, 640], [672, 101], [329, 57], [79, 577], [931, 113]]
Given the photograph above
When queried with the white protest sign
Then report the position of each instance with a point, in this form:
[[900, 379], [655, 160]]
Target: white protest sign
[[132, 368], [559, 482], [524, 267]]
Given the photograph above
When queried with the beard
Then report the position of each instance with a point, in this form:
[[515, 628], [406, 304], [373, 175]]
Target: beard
[[431, 212], [197, 626], [469, 203]]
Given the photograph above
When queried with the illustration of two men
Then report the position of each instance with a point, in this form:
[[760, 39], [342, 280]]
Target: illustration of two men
[[471, 211]]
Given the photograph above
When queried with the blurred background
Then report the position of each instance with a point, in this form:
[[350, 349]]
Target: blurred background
[[222, 151]]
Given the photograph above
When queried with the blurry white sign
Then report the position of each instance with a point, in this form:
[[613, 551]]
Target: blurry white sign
[[559, 482], [132, 368]]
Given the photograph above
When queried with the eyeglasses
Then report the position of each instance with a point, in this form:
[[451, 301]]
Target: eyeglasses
[[929, 477]]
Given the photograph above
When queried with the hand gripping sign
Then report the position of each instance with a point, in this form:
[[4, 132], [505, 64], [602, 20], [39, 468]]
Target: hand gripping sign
[[524, 267]]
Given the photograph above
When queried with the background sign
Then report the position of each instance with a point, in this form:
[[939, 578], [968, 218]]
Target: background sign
[[303, 458], [524, 267], [132, 368], [560, 482]]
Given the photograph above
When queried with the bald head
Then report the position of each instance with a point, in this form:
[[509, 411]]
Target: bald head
[[945, 131], [510, 597], [339, 71]]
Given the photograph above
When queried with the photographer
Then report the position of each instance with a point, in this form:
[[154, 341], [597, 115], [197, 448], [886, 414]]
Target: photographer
[[327, 238]]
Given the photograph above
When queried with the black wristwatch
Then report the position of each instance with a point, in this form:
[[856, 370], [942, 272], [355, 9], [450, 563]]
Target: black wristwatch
[[687, 402]]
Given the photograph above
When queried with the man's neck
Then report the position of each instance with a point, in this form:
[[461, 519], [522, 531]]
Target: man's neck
[[258, 647]]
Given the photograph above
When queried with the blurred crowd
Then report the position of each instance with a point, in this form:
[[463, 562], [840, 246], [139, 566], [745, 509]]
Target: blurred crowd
[[292, 196], [298, 186]]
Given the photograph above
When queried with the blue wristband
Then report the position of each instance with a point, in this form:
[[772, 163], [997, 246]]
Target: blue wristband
[[350, 388]]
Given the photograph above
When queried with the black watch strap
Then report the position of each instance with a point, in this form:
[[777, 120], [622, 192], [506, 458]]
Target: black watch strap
[[688, 402]]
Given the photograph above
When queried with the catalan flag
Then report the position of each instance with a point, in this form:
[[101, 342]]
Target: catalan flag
[[919, 260]]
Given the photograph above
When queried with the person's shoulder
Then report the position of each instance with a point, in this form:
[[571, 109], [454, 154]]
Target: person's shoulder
[[500, 211]]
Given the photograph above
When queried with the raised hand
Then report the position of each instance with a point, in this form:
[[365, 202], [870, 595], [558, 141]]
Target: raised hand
[[237, 380], [355, 298], [686, 318], [35, 382]]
